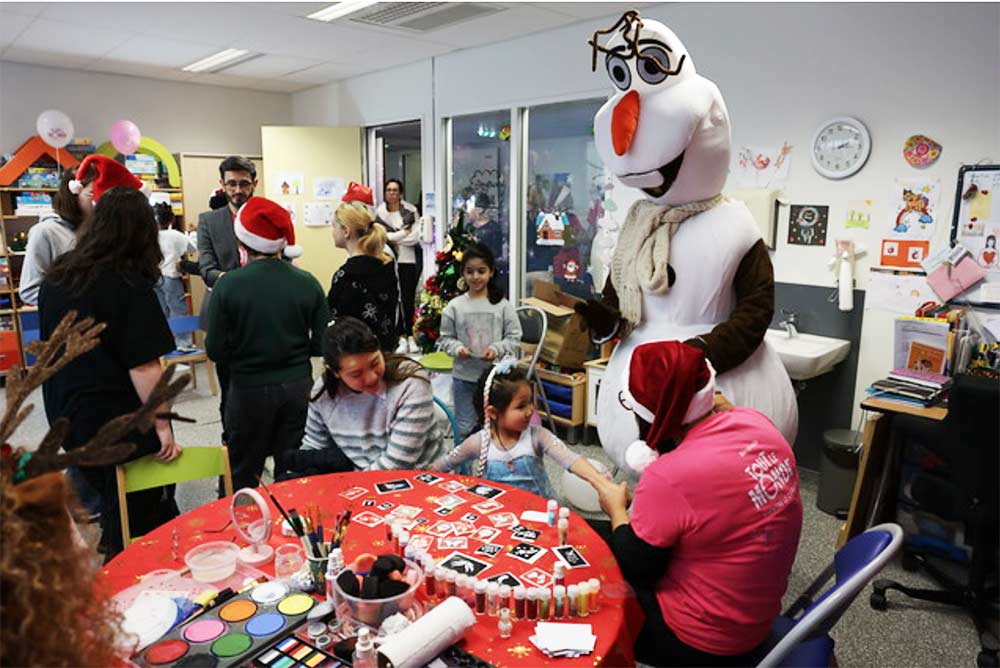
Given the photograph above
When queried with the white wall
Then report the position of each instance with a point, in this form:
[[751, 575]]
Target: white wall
[[783, 69], [181, 116]]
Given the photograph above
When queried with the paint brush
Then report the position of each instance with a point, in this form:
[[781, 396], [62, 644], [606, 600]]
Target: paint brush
[[276, 504]]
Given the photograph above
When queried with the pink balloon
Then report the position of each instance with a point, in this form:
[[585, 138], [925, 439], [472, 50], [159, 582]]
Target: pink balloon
[[125, 137]]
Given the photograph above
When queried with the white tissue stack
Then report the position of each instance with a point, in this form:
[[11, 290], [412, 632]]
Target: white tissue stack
[[571, 640]]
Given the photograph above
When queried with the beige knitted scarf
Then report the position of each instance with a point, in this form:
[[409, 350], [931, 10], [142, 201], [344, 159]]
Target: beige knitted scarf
[[640, 261]]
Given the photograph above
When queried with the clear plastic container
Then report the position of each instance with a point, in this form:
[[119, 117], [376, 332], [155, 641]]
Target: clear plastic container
[[211, 562], [373, 611]]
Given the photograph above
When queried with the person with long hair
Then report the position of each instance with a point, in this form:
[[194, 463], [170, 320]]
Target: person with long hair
[[401, 220], [477, 328], [365, 287], [47, 578], [265, 322], [55, 233], [370, 410], [110, 276]]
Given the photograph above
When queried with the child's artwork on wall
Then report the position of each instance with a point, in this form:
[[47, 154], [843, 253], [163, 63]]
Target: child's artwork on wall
[[550, 229], [986, 250], [914, 208], [288, 183], [329, 187], [904, 253], [760, 167], [859, 214], [317, 214], [807, 224], [976, 226], [896, 292]]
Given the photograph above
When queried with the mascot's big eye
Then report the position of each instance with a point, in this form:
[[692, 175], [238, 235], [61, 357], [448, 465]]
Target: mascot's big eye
[[619, 72], [653, 64]]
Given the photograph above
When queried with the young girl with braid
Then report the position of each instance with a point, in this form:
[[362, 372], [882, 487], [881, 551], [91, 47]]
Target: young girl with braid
[[508, 448]]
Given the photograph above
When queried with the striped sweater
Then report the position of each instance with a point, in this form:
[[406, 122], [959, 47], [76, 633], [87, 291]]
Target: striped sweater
[[393, 430]]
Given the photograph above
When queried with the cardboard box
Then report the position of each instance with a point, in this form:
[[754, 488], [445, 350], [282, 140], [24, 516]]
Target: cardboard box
[[567, 342]]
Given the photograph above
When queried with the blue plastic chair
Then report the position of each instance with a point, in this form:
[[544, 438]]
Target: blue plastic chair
[[803, 640], [456, 436], [189, 324]]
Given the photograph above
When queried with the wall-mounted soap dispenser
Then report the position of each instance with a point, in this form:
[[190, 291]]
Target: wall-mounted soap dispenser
[[842, 265]]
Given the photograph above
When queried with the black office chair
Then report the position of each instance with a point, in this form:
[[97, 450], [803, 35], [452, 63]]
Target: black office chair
[[967, 441]]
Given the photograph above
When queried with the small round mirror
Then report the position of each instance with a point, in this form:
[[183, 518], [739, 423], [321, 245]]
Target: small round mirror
[[252, 519]]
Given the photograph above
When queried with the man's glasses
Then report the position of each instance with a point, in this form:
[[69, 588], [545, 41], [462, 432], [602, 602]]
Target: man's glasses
[[242, 185]]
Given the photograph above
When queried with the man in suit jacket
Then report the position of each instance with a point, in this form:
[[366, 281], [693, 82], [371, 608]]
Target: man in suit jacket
[[218, 251]]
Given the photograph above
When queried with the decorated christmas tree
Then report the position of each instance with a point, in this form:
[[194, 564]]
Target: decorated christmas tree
[[442, 287]]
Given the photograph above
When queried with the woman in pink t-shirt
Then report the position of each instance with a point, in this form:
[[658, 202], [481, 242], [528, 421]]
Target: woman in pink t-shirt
[[715, 519]]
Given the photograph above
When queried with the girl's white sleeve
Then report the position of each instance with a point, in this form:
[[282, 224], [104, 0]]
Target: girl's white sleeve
[[448, 342], [469, 449], [548, 444]]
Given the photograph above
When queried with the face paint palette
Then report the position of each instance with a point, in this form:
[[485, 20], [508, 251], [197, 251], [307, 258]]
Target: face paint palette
[[298, 652], [232, 632]]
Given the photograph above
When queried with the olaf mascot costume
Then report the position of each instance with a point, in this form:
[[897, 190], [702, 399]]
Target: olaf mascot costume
[[689, 265]]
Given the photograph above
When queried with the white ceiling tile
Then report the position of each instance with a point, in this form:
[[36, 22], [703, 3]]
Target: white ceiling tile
[[66, 38], [149, 50], [24, 8], [47, 58], [268, 66], [111, 17], [289, 8], [281, 85], [11, 26], [591, 10], [327, 72], [224, 79], [217, 24], [111, 66]]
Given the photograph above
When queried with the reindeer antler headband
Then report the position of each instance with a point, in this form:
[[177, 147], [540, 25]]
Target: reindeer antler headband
[[630, 25], [71, 339]]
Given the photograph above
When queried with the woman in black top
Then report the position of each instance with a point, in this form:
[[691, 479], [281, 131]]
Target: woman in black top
[[109, 276], [366, 286]]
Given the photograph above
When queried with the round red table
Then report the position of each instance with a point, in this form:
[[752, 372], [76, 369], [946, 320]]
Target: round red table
[[616, 624]]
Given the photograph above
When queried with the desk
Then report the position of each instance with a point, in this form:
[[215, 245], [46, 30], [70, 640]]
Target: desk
[[616, 624], [875, 481]]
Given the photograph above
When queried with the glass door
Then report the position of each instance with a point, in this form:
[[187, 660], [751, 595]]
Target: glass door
[[394, 153]]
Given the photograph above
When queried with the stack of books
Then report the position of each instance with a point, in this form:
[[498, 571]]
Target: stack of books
[[33, 204], [907, 386]]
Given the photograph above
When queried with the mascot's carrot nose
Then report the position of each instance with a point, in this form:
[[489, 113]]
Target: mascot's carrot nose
[[624, 122]]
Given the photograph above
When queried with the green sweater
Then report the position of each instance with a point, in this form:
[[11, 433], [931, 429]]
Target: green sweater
[[265, 321]]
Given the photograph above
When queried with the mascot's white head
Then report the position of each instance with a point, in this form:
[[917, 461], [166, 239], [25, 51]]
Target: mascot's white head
[[666, 128]]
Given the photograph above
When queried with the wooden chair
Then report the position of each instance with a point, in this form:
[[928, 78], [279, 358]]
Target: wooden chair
[[194, 463], [189, 324]]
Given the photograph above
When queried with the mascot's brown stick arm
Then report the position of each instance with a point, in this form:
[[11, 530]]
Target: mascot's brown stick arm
[[730, 343]]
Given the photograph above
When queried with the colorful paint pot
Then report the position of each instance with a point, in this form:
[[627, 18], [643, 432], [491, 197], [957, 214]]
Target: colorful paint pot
[[238, 610], [204, 630], [296, 604], [167, 651], [265, 625], [232, 644]]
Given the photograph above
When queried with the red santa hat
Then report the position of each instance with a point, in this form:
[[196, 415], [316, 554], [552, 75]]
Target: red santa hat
[[109, 174], [358, 193], [266, 227], [668, 384]]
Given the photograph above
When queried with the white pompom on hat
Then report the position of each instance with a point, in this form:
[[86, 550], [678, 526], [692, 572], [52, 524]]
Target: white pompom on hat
[[266, 227]]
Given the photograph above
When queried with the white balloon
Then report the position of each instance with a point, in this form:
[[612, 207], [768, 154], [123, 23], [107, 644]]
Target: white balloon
[[55, 128], [581, 493]]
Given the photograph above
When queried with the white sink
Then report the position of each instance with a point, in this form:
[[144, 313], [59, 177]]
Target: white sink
[[807, 355]]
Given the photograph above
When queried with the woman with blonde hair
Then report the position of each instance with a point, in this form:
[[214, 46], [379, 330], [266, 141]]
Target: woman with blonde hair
[[365, 286]]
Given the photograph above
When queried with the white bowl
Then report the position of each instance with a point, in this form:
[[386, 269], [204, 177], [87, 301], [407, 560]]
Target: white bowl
[[212, 562]]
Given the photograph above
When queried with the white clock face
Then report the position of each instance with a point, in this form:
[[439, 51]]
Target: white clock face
[[840, 148]]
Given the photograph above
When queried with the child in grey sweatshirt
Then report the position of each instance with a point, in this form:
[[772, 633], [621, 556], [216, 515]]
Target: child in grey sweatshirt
[[477, 328]]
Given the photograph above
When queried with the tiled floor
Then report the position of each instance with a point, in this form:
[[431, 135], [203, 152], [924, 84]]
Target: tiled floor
[[910, 634]]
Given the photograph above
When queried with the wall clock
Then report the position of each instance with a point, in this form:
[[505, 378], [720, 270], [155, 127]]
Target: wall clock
[[840, 147]]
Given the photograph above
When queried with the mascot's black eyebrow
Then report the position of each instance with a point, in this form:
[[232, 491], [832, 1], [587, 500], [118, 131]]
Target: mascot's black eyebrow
[[630, 21]]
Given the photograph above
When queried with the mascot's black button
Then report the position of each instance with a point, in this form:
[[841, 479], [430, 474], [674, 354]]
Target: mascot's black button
[[671, 276]]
